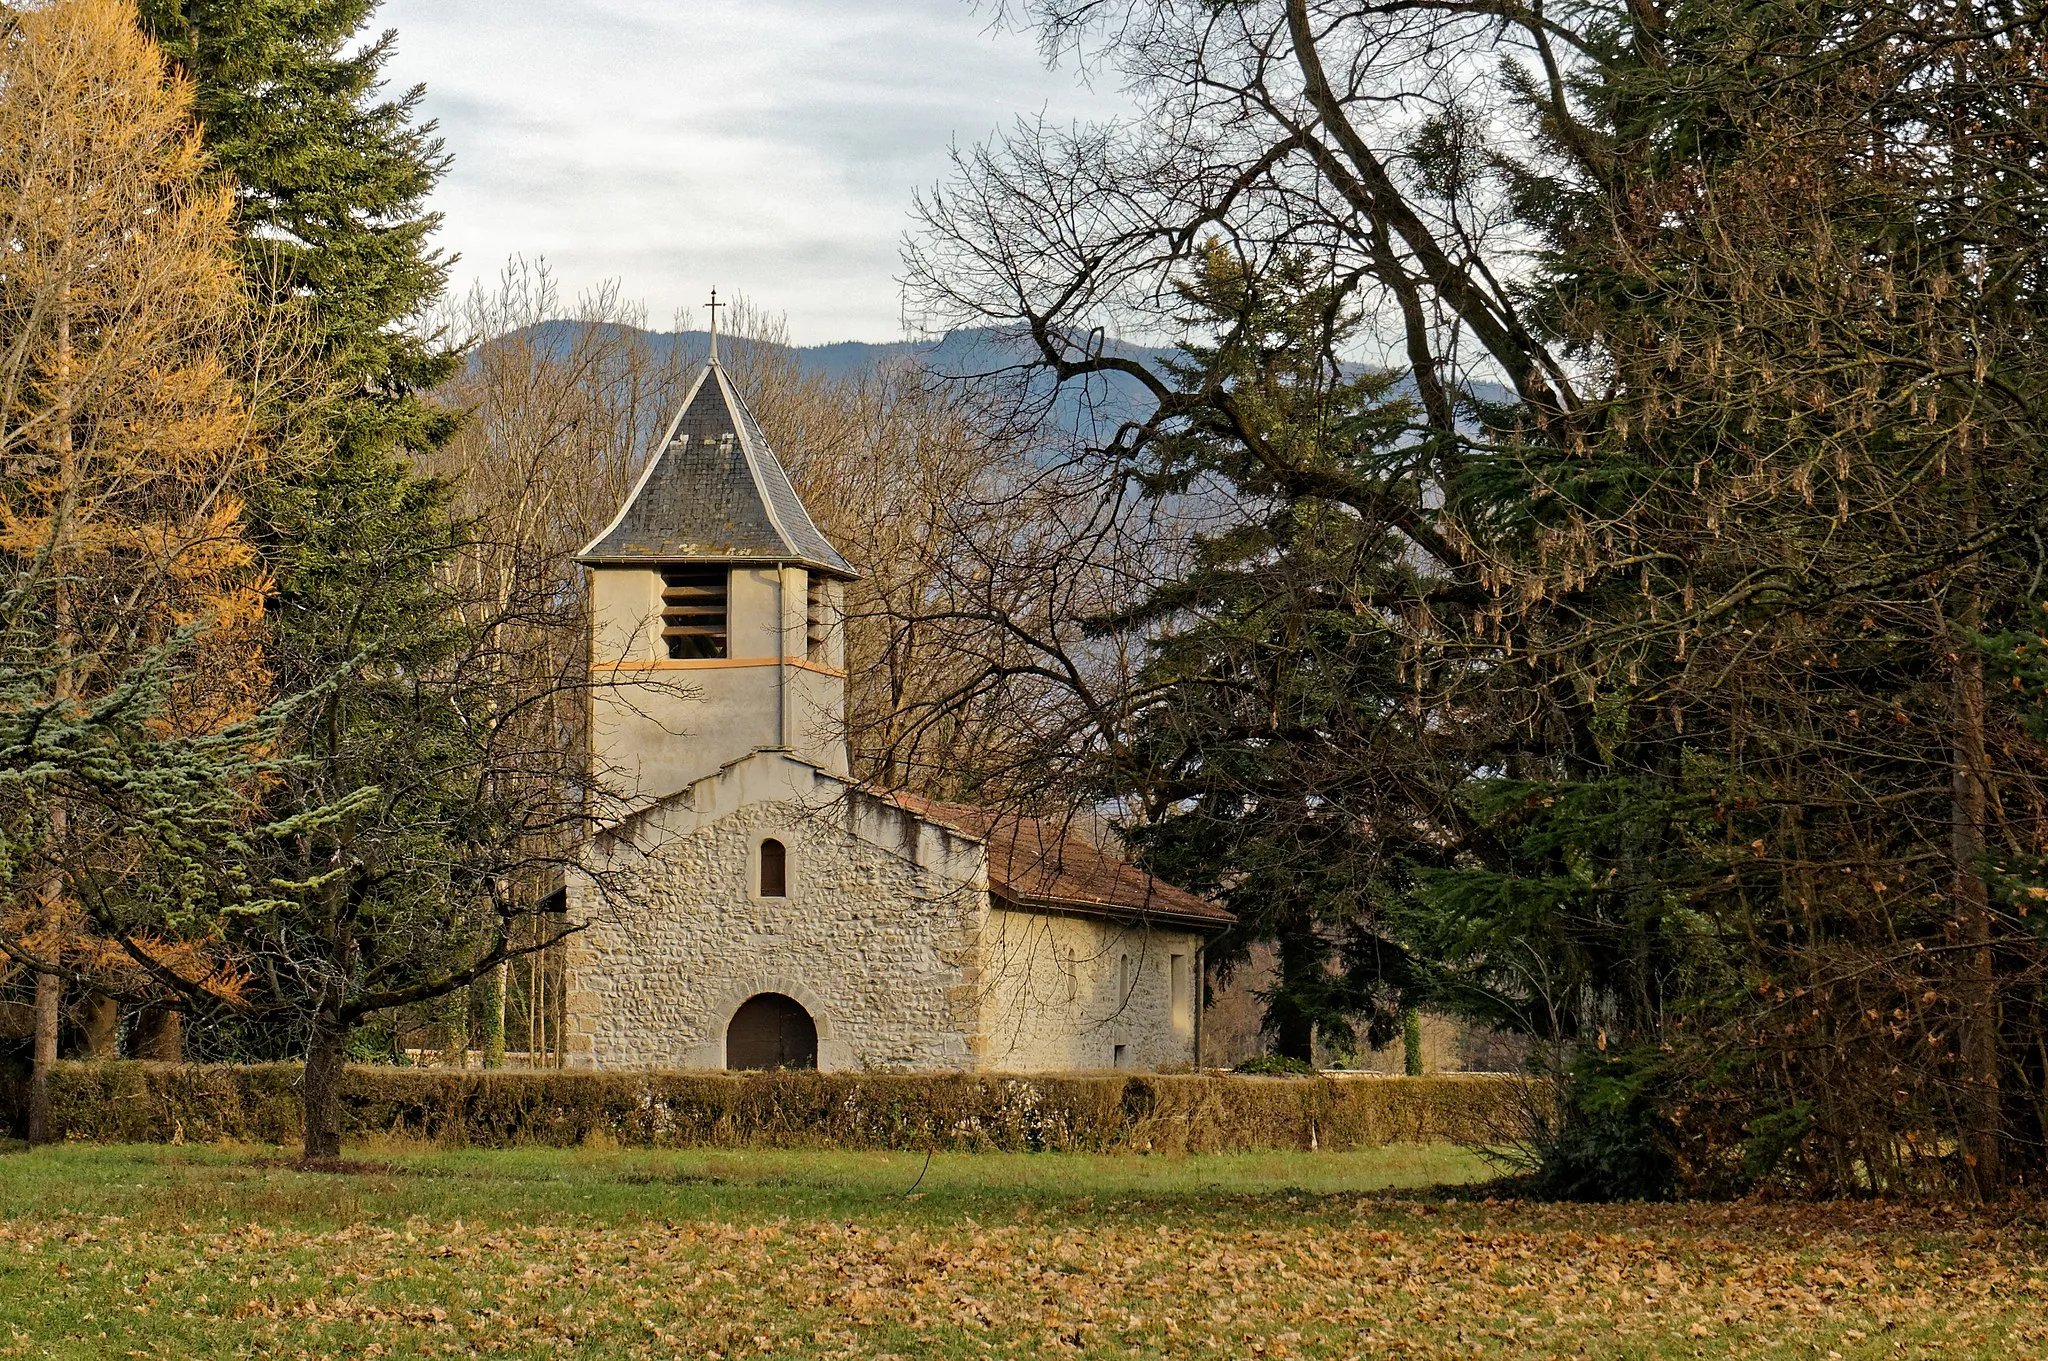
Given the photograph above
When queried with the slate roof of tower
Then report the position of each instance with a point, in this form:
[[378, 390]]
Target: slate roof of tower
[[714, 491]]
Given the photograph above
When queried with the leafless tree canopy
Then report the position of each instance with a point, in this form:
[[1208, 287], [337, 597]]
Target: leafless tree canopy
[[1725, 457]]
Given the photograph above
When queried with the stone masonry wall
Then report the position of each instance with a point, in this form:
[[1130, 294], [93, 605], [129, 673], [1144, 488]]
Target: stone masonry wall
[[878, 948]]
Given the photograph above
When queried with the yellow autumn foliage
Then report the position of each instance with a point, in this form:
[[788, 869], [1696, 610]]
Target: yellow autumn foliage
[[126, 445]]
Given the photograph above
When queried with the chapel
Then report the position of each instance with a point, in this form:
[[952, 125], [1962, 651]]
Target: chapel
[[752, 905]]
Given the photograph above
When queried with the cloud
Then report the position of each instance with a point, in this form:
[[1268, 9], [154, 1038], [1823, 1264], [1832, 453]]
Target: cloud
[[768, 147]]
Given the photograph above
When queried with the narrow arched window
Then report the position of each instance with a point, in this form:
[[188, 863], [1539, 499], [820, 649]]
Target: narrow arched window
[[774, 869]]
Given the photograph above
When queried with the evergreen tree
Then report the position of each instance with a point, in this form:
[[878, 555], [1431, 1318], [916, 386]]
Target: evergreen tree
[[412, 721], [1279, 759], [1726, 787], [331, 181], [1811, 271]]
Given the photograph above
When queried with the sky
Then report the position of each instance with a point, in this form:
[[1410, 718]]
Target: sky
[[765, 147]]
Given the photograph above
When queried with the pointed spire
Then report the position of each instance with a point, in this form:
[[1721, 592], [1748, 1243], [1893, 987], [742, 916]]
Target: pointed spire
[[713, 307], [713, 491]]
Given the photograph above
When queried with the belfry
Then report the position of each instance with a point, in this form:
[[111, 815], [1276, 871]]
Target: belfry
[[749, 904], [715, 605]]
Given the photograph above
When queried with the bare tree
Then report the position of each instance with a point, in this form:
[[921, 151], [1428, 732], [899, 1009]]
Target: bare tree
[[559, 402], [1722, 445]]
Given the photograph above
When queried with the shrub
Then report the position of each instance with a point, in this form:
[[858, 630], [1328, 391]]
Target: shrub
[[1275, 1065], [1606, 1139], [145, 1102]]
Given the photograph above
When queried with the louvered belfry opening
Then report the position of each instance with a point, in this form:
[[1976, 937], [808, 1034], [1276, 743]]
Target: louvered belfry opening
[[814, 619], [693, 612]]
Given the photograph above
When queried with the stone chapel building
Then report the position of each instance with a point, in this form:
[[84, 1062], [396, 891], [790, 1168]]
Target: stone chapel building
[[753, 906]]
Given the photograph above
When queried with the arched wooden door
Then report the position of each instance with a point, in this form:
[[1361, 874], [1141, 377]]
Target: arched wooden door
[[771, 1031]]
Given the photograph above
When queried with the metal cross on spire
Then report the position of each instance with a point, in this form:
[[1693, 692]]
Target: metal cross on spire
[[713, 307]]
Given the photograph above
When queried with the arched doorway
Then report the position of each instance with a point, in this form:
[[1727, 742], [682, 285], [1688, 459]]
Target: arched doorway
[[771, 1031]]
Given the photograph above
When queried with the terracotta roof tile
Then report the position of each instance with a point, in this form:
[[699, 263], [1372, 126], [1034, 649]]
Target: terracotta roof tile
[[1039, 860]]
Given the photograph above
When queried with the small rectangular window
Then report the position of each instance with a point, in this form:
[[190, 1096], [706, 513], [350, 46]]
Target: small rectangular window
[[1177, 988], [693, 612], [1116, 1056], [815, 605]]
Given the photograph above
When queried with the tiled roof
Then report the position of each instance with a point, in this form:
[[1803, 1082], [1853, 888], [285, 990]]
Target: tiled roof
[[1039, 861], [714, 492]]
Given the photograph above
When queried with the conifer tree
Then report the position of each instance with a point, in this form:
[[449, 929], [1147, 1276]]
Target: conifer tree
[[1763, 284], [413, 721], [331, 179], [1277, 759]]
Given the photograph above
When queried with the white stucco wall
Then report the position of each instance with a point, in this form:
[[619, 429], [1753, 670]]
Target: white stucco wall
[[657, 725], [878, 937], [1065, 993]]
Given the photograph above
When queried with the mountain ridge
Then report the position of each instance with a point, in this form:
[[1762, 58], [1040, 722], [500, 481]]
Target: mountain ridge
[[970, 350], [962, 351]]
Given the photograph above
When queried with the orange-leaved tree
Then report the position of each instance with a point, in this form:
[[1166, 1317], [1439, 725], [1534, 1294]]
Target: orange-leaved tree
[[127, 437]]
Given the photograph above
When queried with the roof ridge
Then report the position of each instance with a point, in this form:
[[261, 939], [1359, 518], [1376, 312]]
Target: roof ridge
[[730, 391]]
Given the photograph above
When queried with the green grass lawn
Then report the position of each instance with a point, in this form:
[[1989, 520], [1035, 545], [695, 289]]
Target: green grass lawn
[[191, 1252]]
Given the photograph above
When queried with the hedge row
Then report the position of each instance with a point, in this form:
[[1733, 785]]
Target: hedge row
[[148, 1102]]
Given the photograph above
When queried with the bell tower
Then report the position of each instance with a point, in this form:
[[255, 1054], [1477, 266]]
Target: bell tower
[[716, 609]]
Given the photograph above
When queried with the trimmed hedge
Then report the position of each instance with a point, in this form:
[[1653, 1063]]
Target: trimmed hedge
[[156, 1103]]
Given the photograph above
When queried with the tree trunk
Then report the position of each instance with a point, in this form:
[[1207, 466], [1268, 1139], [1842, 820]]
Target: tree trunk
[[49, 997], [1294, 1035], [494, 1016], [160, 1036], [321, 1089], [50, 986], [454, 1009], [1983, 1116], [102, 1026], [1290, 1014]]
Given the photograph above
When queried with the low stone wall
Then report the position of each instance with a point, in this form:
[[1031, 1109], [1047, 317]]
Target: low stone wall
[[157, 1103]]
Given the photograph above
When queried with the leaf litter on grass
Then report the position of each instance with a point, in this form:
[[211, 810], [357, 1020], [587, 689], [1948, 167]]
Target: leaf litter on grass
[[1277, 1276]]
